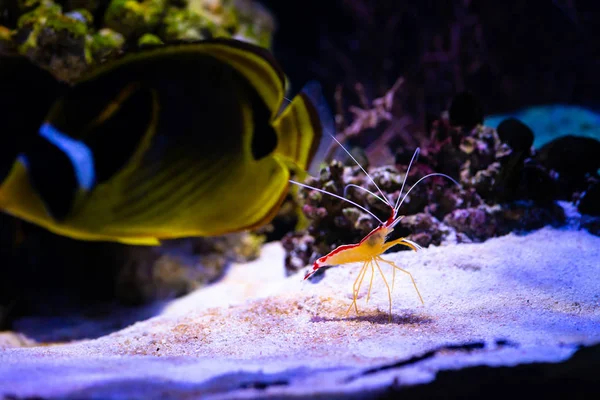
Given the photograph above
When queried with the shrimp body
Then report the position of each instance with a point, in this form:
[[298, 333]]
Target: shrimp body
[[370, 245], [368, 251]]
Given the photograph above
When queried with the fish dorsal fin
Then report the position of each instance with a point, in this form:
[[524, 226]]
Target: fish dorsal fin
[[255, 63], [305, 128]]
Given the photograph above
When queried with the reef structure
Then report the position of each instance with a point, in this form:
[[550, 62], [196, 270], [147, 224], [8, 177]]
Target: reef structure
[[70, 37], [506, 186]]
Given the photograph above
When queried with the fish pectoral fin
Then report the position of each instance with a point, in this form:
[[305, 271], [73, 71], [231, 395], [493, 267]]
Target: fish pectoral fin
[[305, 129], [141, 241]]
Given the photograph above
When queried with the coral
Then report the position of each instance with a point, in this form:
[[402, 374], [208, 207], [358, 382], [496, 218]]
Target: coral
[[134, 18], [477, 223], [448, 199], [299, 251], [334, 222], [502, 188], [478, 155], [422, 228], [55, 40], [73, 36], [185, 24], [149, 39], [105, 43], [254, 22]]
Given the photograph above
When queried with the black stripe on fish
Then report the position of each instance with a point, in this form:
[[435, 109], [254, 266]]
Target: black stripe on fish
[[27, 92], [52, 175], [263, 74], [262, 52], [115, 138], [264, 138]]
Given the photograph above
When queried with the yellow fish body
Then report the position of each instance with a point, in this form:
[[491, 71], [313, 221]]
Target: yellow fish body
[[177, 141]]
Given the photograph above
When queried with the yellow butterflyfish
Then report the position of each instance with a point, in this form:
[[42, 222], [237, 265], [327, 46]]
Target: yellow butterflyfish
[[192, 139]]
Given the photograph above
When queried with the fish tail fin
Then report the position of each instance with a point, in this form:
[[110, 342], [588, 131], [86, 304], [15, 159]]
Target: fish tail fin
[[26, 94], [305, 129]]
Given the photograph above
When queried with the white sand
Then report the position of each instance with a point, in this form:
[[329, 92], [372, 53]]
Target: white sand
[[539, 291]]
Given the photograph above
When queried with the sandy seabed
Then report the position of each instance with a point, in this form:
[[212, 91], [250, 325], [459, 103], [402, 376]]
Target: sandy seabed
[[256, 333]]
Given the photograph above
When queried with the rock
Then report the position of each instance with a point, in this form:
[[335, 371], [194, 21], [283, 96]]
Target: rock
[[591, 224], [478, 223], [522, 216], [516, 134], [589, 203], [571, 157], [42, 274], [449, 199], [12, 339], [535, 183], [421, 228], [299, 251], [551, 121]]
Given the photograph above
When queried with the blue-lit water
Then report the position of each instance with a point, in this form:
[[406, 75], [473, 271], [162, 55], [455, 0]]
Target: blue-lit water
[[551, 121]]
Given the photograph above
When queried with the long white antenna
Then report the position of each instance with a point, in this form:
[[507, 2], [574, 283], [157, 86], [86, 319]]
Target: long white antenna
[[363, 170], [414, 157], [425, 177], [364, 190], [339, 197]]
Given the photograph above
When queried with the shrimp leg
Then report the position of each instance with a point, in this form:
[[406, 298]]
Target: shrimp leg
[[356, 287], [386, 285], [378, 258], [403, 242], [371, 281]]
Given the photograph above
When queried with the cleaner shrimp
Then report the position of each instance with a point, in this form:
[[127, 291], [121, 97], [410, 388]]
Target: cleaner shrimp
[[369, 250]]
